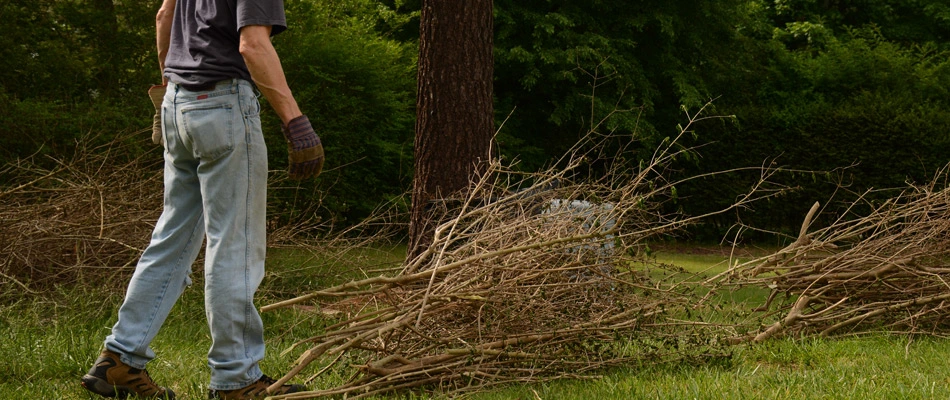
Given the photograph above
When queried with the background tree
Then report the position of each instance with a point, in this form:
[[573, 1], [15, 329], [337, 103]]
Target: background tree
[[454, 110], [803, 22], [560, 66]]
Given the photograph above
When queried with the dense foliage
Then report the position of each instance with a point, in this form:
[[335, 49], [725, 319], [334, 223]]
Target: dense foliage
[[562, 67], [861, 110], [857, 89], [68, 68], [357, 86], [851, 96]]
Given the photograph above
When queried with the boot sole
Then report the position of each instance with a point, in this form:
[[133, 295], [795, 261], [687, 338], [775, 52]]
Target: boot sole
[[101, 387]]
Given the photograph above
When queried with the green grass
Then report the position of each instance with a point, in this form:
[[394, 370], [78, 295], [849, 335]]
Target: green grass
[[49, 345], [50, 342], [858, 368]]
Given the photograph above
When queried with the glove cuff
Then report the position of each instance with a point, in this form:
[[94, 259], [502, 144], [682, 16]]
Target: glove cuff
[[157, 94], [306, 155]]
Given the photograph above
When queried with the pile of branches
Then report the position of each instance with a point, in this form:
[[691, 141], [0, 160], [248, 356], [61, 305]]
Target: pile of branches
[[66, 220], [519, 285], [88, 217], [887, 270]]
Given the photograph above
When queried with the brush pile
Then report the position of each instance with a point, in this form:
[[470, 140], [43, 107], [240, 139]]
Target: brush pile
[[66, 220], [888, 270], [518, 285], [88, 218]]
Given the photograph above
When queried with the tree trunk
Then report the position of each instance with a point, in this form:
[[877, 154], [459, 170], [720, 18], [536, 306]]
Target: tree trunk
[[454, 110]]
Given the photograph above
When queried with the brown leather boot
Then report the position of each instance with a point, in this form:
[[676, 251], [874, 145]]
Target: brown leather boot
[[110, 377], [256, 390]]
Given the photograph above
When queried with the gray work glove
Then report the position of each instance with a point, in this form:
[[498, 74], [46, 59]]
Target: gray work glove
[[306, 151], [157, 94]]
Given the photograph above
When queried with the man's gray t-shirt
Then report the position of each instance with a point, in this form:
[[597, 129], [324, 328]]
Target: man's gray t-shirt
[[206, 35]]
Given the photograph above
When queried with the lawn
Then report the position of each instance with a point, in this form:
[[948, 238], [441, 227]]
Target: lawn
[[51, 341]]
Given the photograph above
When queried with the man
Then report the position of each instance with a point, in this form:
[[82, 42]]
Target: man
[[210, 52]]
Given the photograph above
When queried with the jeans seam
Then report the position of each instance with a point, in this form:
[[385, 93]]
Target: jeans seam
[[247, 229], [167, 280]]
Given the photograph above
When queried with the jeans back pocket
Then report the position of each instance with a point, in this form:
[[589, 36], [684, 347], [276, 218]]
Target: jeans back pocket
[[210, 130]]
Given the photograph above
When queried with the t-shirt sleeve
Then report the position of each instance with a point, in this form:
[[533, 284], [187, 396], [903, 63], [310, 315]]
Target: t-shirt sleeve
[[262, 12]]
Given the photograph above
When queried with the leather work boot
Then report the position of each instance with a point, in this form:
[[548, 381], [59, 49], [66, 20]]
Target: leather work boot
[[256, 390], [110, 377]]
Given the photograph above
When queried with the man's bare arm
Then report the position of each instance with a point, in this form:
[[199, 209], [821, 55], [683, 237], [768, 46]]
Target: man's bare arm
[[163, 29], [267, 72]]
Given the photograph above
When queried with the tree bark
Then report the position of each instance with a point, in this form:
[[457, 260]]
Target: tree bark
[[454, 110]]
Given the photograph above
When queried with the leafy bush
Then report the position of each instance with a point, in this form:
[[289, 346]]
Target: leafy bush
[[865, 113], [561, 68], [43, 127], [357, 88], [68, 69]]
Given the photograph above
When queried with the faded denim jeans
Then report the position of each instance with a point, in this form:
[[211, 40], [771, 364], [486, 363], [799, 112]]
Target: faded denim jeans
[[215, 188]]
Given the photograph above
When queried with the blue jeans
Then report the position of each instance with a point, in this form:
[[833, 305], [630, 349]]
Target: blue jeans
[[215, 187]]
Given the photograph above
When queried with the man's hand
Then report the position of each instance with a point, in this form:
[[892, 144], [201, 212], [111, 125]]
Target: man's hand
[[157, 94], [306, 151]]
